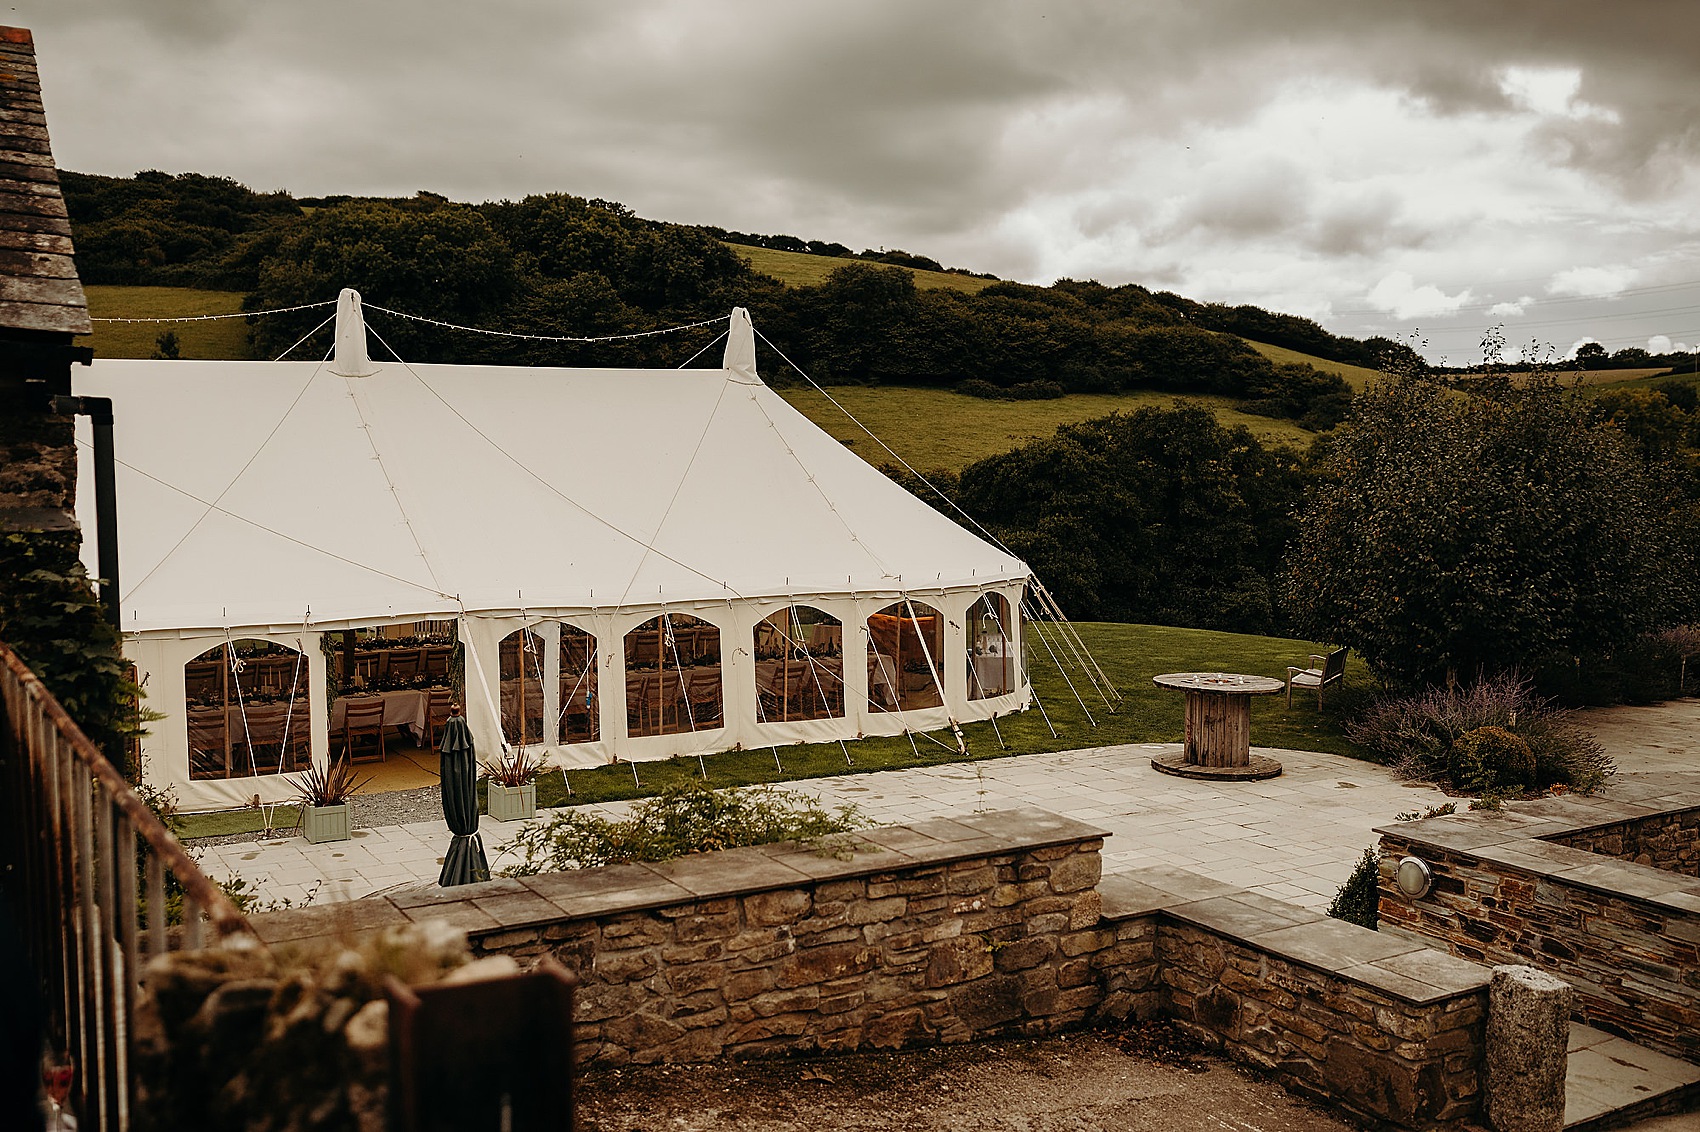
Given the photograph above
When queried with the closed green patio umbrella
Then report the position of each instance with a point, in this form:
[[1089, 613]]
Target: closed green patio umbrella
[[465, 863]]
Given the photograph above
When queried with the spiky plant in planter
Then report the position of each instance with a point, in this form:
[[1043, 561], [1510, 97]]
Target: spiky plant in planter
[[511, 793], [323, 792]]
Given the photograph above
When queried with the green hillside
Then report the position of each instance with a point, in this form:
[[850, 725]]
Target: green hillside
[[935, 428], [1356, 376], [800, 269], [222, 338]]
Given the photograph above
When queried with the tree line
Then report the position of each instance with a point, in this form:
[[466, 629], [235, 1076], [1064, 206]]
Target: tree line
[[569, 266]]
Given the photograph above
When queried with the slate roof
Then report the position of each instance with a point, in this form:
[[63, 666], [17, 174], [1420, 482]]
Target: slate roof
[[39, 288]]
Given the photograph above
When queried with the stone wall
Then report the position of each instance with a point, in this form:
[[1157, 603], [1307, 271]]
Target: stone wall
[[945, 931], [1626, 935], [1391, 1031], [937, 932], [38, 461], [1668, 841]]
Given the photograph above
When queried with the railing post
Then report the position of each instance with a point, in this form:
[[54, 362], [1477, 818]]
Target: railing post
[[73, 829]]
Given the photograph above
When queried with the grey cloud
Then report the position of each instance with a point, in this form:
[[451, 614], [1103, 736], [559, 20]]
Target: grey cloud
[[920, 125]]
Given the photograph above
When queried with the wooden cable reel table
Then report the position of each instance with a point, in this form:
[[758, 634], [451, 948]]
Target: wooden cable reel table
[[1218, 726]]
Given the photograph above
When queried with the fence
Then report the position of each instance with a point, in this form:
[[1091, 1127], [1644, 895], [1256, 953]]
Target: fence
[[77, 844]]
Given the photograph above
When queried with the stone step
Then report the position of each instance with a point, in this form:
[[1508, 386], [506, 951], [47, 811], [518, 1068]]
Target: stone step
[[1613, 1083]]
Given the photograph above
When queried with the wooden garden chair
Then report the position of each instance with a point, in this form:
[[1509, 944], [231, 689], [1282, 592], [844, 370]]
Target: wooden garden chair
[[1329, 669]]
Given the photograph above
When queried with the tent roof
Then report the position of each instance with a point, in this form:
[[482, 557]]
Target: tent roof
[[259, 493]]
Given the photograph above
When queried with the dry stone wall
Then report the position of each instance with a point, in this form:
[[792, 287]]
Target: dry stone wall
[[1391, 1031], [1508, 890], [1669, 841], [945, 931], [935, 951]]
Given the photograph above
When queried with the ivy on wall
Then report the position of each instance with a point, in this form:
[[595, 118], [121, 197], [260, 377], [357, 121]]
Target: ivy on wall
[[51, 618]]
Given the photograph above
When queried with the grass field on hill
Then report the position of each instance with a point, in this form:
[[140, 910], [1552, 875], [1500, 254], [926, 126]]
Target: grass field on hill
[[935, 428], [223, 338], [1130, 654], [800, 269], [1357, 377]]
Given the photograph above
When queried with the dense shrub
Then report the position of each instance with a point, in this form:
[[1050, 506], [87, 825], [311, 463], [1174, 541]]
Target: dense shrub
[[1419, 735], [1646, 670], [1491, 758], [1452, 536], [1160, 516], [684, 819], [1027, 391], [1357, 901]]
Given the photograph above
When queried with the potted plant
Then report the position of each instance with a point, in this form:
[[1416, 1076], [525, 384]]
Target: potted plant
[[511, 791], [323, 793]]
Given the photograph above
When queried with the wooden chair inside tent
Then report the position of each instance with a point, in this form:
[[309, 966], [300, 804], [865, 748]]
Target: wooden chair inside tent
[[437, 661], [362, 725], [705, 697], [404, 664], [578, 725], [436, 713], [203, 679], [640, 695], [368, 667]]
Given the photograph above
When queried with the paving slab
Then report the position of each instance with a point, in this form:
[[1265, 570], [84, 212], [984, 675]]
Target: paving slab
[[1609, 1076], [1294, 838]]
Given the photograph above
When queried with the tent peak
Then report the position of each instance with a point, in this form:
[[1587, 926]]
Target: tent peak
[[741, 348], [351, 359]]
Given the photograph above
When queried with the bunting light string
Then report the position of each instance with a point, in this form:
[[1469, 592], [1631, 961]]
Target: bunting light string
[[215, 317], [546, 337]]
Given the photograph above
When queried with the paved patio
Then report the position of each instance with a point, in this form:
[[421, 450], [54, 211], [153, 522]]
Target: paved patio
[[1294, 838]]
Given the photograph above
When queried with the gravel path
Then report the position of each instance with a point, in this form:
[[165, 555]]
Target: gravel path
[[397, 807]]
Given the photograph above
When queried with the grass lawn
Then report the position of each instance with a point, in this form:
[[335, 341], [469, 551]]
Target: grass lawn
[[1129, 654], [800, 269], [221, 339], [1356, 376], [935, 428]]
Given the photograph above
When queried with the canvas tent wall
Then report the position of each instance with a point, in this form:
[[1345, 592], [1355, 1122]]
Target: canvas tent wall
[[291, 501]]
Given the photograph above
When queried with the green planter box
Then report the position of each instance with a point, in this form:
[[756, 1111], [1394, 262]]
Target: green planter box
[[325, 823], [512, 803]]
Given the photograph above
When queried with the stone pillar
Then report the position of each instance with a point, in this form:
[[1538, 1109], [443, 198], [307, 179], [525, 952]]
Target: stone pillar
[[1528, 1036]]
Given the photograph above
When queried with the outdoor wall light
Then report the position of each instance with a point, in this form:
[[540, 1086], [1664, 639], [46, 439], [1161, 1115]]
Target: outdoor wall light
[[1413, 877]]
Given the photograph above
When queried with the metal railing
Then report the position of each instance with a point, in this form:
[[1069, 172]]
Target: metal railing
[[78, 843]]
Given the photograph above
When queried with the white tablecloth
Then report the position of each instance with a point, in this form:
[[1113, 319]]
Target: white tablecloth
[[405, 708]]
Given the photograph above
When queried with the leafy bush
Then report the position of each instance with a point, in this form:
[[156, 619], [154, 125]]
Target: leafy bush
[[1451, 536], [683, 819], [1357, 900], [1645, 670], [1417, 735], [1025, 391], [1490, 757]]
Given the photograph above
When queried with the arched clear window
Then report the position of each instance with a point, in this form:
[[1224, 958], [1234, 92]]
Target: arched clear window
[[521, 660], [905, 666], [799, 665], [246, 704], [578, 723], [673, 681], [991, 648]]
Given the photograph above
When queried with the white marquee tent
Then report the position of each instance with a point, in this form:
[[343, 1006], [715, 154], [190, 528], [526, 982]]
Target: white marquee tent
[[295, 502]]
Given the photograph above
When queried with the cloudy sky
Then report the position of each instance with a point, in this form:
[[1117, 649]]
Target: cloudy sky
[[1431, 167]]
